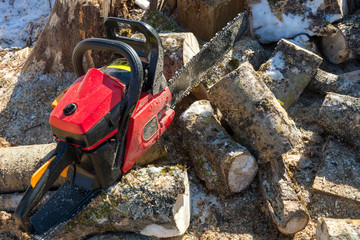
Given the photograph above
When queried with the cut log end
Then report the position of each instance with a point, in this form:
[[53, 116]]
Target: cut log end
[[242, 171], [297, 219], [335, 48]]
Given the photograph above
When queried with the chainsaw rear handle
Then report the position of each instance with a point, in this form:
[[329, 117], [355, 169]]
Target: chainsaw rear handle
[[60, 159], [151, 49], [132, 92]]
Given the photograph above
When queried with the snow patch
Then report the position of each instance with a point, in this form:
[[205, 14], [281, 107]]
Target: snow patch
[[270, 29], [314, 5], [21, 18], [275, 67]]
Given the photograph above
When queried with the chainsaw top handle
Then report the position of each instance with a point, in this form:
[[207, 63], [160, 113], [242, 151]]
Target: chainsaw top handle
[[132, 92], [151, 49]]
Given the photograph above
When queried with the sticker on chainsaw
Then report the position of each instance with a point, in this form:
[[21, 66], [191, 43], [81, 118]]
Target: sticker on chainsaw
[[124, 65]]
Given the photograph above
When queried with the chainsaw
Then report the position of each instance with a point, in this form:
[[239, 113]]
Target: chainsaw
[[109, 117]]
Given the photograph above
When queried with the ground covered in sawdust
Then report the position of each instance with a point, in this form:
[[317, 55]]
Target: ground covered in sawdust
[[25, 105]]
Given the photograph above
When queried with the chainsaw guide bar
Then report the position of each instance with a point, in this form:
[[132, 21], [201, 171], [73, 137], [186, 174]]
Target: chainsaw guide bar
[[190, 75]]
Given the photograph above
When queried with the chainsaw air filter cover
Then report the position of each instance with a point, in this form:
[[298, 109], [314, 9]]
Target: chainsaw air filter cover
[[86, 115]]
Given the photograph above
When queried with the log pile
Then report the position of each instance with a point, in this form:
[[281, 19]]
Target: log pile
[[243, 128]]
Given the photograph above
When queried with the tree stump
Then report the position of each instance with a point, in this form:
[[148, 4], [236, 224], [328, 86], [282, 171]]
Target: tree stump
[[340, 116], [272, 20], [345, 84], [224, 165], [344, 44], [206, 17], [69, 23], [290, 69], [254, 114]]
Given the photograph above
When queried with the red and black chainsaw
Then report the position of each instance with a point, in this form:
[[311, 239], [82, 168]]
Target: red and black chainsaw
[[109, 117]]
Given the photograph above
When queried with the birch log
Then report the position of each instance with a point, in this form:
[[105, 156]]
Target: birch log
[[338, 229], [340, 116], [290, 70], [254, 114], [17, 164], [224, 165], [152, 201], [345, 84], [283, 204], [344, 44], [272, 20], [263, 126]]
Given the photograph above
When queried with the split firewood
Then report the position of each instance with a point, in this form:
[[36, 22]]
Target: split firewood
[[224, 165], [345, 84], [152, 201], [179, 48], [283, 204], [340, 116], [289, 71], [339, 171], [205, 18], [254, 114], [344, 44], [338, 229], [53, 49], [272, 20], [17, 164]]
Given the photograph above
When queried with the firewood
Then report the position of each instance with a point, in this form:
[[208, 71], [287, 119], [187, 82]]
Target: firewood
[[289, 71], [345, 84], [17, 164], [340, 116], [272, 20], [344, 45], [67, 25], [152, 201], [263, 126], [283, 204], [254, 114], [224, 165], [337, 229], [179, 48]]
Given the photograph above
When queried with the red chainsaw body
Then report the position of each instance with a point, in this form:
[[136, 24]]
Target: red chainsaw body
[[97, 96]]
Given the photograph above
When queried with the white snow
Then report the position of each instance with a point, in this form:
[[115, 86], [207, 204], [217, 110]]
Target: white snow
[[270, 29], [275, 67], [19, 18], [314, 5]]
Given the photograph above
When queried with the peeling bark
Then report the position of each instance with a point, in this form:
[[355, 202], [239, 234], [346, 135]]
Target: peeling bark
[[224, 165], [340, 116]]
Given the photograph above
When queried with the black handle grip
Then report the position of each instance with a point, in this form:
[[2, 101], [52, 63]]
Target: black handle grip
[[151, 49], [64, 156]]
